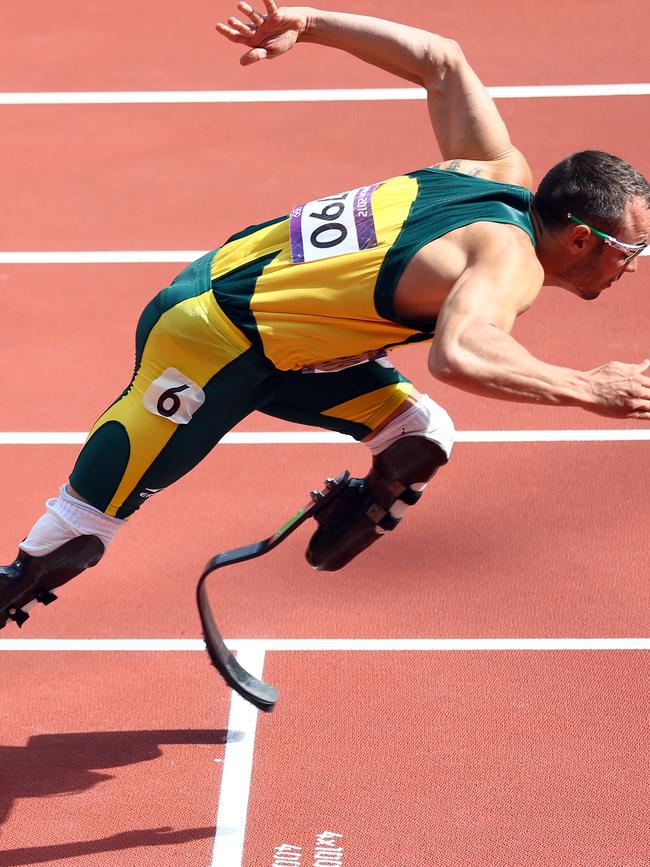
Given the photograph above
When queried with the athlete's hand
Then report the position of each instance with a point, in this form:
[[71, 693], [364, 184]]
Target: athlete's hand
[[621, 390], [266, 36]]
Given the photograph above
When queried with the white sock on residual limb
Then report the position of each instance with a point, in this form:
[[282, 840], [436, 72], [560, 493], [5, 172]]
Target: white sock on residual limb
[[65, 518]]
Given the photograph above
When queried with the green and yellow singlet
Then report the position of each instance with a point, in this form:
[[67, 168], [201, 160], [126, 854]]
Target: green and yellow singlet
[[317, 286], [234, 332]]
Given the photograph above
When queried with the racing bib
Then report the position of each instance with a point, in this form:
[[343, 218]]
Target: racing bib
[[174, 396], [333, 225]]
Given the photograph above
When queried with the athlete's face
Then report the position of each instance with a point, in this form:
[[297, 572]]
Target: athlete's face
[[599, 264]]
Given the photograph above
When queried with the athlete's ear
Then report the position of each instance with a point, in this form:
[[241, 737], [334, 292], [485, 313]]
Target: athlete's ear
[[577, 239]]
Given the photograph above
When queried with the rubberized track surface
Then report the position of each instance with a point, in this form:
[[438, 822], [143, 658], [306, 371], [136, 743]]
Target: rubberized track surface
[[408, 754]]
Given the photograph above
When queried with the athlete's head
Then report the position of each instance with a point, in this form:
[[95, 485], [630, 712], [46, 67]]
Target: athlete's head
[[595, 208]]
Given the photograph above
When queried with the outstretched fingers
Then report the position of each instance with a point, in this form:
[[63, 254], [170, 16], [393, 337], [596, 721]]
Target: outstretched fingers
[[267, 33], [240, 31], [255, 17], [245, 30], [230, 32]]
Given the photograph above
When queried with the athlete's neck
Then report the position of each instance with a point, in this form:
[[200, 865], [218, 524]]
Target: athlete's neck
[[545, 248]]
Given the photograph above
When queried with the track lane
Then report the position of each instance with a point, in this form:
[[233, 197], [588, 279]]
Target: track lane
[[510, 541], [553, 736], [70, 349], [126, 46], [456, 759], [108, 758], [185, 177]]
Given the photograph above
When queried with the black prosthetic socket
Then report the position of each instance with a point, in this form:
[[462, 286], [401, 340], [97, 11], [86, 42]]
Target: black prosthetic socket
[[31, 578], [348, 525]]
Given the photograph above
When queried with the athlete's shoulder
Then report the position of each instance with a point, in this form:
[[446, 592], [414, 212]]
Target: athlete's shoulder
[[487, 239], [505, 252]]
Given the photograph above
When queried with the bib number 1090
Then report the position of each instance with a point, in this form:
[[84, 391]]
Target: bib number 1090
[[333, 225]]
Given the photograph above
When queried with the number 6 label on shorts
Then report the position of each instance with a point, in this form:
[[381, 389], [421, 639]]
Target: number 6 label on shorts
[[332, 226], [174, 396]]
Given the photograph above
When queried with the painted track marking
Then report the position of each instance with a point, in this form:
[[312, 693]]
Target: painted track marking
[[312, 95], [234, 794], [108, 257], [99, 257], [288, 645], [61, 438]]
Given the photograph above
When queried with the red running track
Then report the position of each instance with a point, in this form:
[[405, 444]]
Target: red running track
[[497, 759]]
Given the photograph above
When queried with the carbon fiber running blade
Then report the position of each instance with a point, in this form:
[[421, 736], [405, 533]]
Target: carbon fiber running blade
[[237, 555], [262, 695], [256, 691]]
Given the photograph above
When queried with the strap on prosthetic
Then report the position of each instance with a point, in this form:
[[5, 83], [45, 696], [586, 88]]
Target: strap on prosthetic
[[369, 507]]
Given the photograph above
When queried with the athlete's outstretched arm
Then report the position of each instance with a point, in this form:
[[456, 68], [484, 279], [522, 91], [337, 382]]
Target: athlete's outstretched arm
[[473, 349], [464, 117]]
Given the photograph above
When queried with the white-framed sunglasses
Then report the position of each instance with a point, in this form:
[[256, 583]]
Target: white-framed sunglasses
[[632, 250]]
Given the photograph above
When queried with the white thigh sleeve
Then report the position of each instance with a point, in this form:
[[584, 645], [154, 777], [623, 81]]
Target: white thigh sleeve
[[426, 418]]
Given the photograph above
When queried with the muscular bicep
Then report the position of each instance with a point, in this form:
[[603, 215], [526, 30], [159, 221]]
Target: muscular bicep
[[484, 303], [466, 120], [465, 323]]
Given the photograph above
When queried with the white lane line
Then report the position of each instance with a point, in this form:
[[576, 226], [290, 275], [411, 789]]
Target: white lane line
[[237, 771], [98, 257], [34, 438], [451, 644], [104, 645], [260, 645], [552, 436], [108, 257], [311, 95]]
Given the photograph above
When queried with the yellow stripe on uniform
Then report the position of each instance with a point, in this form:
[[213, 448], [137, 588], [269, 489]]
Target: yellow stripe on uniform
[[373, 408], [197, 339], [315, 311]]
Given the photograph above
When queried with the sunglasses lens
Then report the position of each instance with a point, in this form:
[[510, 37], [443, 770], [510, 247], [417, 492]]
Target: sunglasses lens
[[634, 254]]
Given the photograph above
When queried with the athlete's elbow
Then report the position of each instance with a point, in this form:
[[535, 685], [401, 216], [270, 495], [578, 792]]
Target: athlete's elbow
[[443, 57], [447, 373], [446, 362]]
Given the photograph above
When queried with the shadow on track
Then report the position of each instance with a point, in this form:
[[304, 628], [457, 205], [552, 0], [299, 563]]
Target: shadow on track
[[114, 843], [57, 764]]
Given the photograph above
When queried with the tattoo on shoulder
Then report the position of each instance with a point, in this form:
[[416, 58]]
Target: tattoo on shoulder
[[456, 166]]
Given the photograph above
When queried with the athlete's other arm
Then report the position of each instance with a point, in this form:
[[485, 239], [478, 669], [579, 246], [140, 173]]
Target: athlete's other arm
[[463, 115], [474, 350]]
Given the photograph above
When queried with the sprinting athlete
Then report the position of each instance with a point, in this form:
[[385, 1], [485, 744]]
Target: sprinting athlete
[[295, 317]]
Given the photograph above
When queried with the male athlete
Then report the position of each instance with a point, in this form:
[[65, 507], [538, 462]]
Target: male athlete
[[294, 317]]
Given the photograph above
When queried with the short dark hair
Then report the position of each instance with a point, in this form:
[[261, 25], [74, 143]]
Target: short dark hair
[[593, 185]]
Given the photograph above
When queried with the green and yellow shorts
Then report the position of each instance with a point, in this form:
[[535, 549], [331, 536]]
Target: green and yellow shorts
[[196, 376]]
